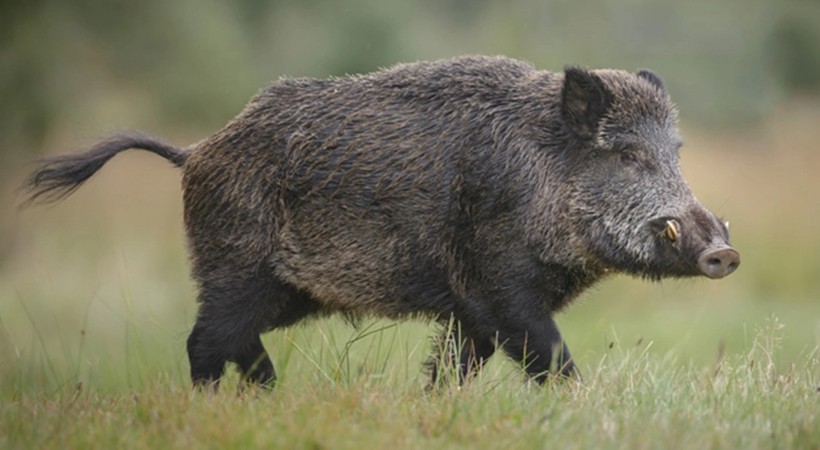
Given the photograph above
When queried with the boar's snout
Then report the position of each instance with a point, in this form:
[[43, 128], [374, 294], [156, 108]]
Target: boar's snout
[[719, 261], [696, 243]]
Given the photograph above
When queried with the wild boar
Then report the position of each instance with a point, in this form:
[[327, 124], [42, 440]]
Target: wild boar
[[477, 188]]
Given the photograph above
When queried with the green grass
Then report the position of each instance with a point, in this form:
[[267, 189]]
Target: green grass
[[96, 304], [370, 395]]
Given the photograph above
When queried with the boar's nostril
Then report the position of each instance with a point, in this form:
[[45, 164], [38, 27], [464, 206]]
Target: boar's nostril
[[718, 262]]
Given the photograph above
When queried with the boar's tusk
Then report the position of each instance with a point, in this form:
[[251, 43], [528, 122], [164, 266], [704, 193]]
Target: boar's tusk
[[672, 231]]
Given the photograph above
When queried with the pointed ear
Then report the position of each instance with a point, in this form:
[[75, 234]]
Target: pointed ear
[[653, 79], [584, 101]]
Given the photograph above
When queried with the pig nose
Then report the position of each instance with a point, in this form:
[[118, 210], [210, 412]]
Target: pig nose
[[717, 262]]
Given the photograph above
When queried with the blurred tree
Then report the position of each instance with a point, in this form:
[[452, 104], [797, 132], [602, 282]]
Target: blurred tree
[[26, 103], [795, 51], [84, 66]]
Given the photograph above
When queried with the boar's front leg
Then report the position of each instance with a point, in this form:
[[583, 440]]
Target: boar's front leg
[[537, 345], [517, 316], [459, 352]]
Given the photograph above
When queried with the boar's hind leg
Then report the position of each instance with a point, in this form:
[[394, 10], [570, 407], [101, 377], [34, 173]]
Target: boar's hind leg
[[230, 320], [218, 338], [255, 365]]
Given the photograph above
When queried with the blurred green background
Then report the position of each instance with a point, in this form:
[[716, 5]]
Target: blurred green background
[[100, 282]]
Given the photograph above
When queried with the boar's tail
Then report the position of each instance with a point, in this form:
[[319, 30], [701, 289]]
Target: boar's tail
[[59, 176]]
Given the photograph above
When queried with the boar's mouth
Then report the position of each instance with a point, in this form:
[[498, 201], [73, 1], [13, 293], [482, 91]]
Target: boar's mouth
[[694, 252]]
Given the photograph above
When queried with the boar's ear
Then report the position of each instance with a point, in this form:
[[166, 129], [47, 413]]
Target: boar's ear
[[584, 100], [653, 79]]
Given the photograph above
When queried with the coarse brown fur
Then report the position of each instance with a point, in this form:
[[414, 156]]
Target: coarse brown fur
[[476, 188]]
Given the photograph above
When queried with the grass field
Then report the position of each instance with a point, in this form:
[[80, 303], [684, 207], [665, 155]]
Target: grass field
[[96, 304]]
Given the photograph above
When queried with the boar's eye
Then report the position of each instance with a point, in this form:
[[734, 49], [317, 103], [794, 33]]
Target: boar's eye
[[628, 157]]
